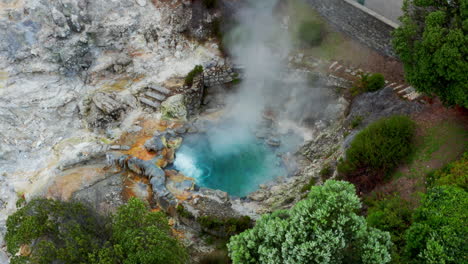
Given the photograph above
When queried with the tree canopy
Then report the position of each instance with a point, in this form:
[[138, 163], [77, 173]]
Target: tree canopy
[[52, 231], [432, 42], [324, 228], [439, 231]]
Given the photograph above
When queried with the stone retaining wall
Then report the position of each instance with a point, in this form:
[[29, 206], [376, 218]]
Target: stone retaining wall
[[357, 23]]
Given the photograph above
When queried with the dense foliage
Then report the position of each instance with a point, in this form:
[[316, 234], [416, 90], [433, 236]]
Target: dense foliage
[[140, 236], [68, 232], [391, 214], [454, 173], [63, 232], [198, 69], [439, 230], [324, 228], [379, 147], [433, 45]]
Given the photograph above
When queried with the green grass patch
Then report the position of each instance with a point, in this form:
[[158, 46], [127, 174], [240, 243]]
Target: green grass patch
[[438, 145], [307, 24]]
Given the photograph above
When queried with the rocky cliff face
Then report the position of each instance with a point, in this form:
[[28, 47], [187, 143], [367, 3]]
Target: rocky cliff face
[[66, 64]]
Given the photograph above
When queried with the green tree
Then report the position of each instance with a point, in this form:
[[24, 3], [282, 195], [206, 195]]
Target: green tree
[[56, 232], [432, 42], [140, 236], [69, 232], [324, 228], [439, 231]]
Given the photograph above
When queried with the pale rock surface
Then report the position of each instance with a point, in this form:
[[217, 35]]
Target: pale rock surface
[[174, 108], [56, 56]]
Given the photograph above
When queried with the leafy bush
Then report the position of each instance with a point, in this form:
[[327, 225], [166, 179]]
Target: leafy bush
[[380, 146], [311, 33], [375, 82], [455, 173], [431, 42], [393, 215], [69, 232], [439, 230], [324, 228], [368, 83], [198, 69]]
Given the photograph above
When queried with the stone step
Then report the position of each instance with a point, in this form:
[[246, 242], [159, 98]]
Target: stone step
[[157, 96], [398, 87], [146, 101], [407, 90], [160, 89], [413, 96]]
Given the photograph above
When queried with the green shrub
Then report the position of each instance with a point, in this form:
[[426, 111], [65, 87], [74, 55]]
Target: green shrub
[[380, 146], [311, 33], [324, 228], [368, 83], [198, 69], [308, 185], [439, 230], [375, 82], [455, 173]]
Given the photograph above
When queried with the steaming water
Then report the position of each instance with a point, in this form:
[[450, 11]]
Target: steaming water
[[237, 168]]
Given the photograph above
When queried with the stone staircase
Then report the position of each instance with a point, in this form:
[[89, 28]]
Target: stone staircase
[[403, 90], [154, 96]]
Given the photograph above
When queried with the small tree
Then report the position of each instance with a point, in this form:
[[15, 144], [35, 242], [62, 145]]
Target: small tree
[[433, 45], [324, 228]]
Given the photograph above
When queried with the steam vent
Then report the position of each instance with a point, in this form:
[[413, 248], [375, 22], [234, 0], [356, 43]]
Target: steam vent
[[233, 131]]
